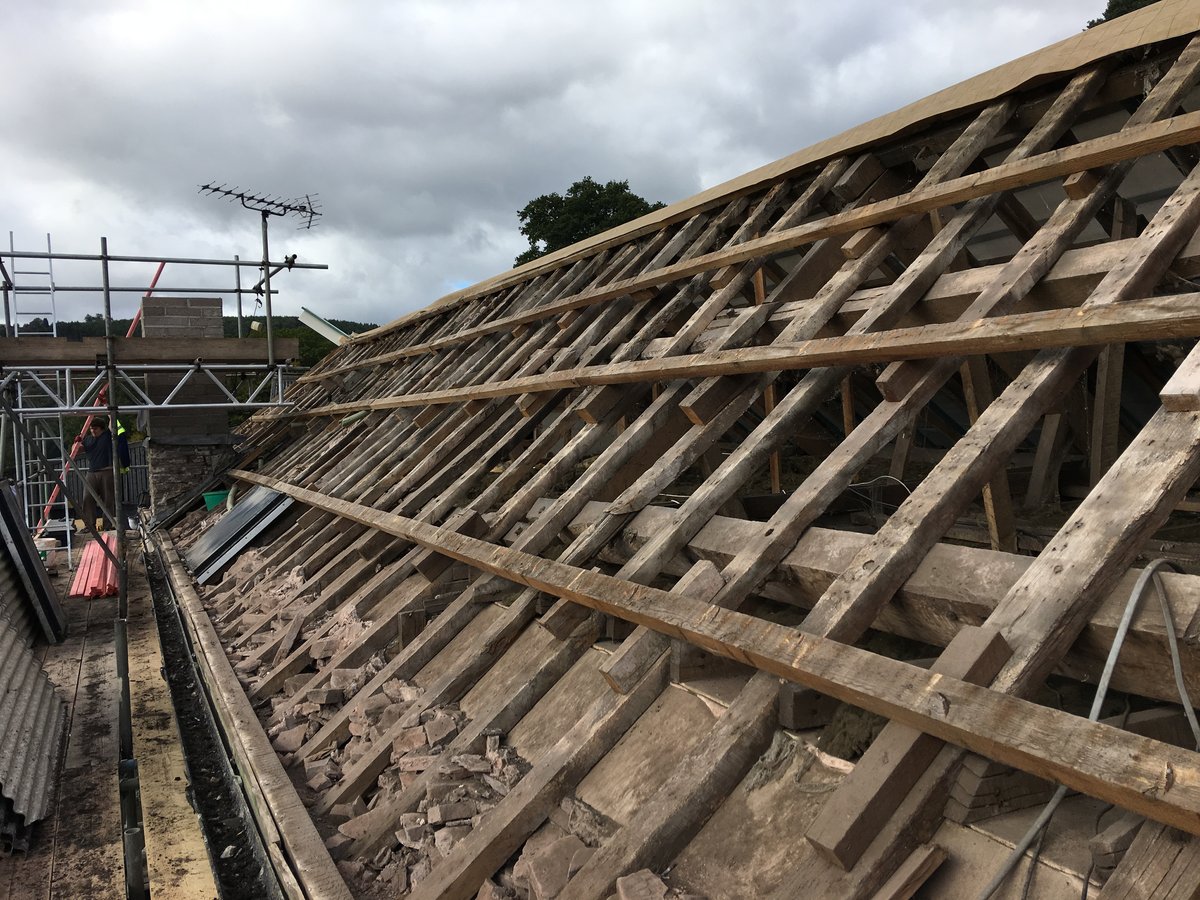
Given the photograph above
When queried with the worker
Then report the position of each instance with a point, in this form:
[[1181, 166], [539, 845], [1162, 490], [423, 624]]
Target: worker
[[122, 439], [98, 446]]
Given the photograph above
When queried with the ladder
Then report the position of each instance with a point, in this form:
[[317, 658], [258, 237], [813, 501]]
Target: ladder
[[35, 313], [33, 304]]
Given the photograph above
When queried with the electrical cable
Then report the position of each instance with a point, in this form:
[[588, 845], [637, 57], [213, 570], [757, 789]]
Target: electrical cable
[[1033, 858], [1176, 660], [859, 484], [1135, 596]]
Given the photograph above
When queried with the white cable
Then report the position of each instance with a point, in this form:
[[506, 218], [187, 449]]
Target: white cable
[[1110, 664]]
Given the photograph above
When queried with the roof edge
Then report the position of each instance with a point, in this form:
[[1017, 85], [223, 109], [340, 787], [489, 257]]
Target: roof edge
[[1161, 21]]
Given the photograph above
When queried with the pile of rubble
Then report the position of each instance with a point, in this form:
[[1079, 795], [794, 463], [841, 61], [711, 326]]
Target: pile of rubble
[[459, 787], [246, 597], [551, 857], [297, 718]]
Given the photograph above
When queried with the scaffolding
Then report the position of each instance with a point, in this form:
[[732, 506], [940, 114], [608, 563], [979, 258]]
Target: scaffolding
[[38, 399]]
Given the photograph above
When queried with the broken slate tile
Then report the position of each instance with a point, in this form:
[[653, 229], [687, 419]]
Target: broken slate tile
[[326, 696], [476, 765], [324, 648], [291, 740], [439, 730], [549, 869], [319, 783], [408, 740], [338, 845], [493, 891], [349, 810], [643, 885], [343, 679], [416, 763], [399, 692], [411, 830], [445, 838], [447, 812], [579, 860]]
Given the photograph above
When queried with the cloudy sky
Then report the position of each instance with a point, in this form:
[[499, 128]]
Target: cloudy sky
[[425, 126]]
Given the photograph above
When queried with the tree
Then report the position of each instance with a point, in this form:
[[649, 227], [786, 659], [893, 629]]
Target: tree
[[40, 325], [554, 221], [1117, 8]]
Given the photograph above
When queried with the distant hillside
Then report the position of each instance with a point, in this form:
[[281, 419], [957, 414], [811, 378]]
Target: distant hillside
[[312, 345]]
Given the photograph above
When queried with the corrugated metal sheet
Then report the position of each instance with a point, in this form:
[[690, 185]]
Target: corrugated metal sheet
[[32, 715], [32, 723], [14, 605]]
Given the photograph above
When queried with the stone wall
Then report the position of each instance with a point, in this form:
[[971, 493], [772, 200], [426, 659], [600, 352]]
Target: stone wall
[[184, 447]]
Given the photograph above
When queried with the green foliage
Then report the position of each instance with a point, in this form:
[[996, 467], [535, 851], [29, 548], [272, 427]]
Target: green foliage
[[1117, 8], [92, 326], [554, 221]]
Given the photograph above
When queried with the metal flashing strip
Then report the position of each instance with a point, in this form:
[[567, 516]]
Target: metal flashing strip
[[226, 539], [32, 572]]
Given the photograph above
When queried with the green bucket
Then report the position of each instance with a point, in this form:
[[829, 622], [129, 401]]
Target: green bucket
[[213, 499]]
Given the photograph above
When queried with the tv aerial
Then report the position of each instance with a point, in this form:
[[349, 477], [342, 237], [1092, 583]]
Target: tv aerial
[[306, 210]]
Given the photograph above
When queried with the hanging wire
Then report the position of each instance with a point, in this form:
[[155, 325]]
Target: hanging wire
[[1150, 573], [879, 478]]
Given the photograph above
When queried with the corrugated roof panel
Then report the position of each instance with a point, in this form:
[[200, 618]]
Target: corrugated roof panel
[[32, 726], [14, 607]]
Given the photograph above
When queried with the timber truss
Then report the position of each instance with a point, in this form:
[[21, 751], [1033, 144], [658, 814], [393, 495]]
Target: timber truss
[[942, 385]]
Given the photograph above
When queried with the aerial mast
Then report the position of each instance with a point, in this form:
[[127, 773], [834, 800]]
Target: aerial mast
[[306, 210]]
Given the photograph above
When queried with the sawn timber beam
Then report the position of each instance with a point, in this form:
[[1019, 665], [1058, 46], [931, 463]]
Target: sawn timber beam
[[953, 586], [50, 351], [1152, 318], [1139, 774], [1129, 143]]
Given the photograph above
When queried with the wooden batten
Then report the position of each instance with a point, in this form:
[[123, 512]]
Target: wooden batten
[[705, 457]]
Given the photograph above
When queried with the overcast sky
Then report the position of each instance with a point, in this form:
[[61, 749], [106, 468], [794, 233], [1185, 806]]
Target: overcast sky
[[425, 126]]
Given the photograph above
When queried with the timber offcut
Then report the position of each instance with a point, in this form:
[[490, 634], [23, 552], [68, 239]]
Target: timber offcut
[[807, 538]]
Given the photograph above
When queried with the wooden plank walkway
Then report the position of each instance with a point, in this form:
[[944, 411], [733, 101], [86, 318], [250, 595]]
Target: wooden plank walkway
[[78, 850], [177, 856]]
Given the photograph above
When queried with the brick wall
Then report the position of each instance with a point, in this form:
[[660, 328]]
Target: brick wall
[[185, 446], [199, 317]]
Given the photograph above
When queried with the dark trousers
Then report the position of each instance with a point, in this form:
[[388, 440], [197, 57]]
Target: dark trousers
[[101, 481]]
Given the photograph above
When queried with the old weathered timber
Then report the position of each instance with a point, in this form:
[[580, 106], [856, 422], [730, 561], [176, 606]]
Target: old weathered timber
[[933, 381]]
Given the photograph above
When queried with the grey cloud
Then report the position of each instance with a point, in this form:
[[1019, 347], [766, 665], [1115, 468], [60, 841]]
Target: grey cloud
[[424, 126]]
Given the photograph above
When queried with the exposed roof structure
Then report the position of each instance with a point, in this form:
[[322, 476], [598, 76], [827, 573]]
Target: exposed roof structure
[[580, 555]]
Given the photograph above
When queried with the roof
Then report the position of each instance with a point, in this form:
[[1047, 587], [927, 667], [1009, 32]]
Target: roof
[[611, 553]]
